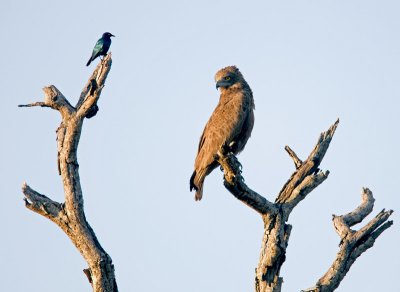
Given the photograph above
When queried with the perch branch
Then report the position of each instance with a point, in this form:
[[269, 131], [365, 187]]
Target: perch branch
[[91, 93], [70, 216], [353, 243], [234, 182], [305, 179], [275, 215], [88, 87]]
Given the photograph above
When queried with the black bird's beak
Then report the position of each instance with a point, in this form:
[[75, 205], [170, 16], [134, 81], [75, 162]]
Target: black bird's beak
[[112, 35]]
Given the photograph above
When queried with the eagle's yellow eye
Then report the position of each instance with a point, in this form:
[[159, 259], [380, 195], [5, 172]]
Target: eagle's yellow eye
[[227, 78]]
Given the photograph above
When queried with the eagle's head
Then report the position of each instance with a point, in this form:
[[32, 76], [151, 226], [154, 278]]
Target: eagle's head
[[227, 77]]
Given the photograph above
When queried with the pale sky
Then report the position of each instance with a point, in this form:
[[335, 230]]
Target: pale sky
[[307, 62]]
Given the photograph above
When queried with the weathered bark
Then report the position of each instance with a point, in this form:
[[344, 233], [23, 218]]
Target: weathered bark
[[353, 243], [275, 215], [70, 216]]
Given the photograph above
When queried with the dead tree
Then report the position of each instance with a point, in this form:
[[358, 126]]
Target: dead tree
[[306, 178], [70, 215]]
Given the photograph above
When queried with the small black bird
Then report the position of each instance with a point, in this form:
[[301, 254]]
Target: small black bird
[[101, 47]]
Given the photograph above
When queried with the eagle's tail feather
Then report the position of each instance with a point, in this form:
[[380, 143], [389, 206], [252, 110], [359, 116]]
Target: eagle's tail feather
[[196, 183]]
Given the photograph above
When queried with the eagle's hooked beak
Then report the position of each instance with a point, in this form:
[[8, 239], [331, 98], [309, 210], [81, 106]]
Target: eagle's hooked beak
[[221, 83]]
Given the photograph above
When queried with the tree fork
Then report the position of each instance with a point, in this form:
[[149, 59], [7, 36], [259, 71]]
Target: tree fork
[[305, 179], [70, 215]]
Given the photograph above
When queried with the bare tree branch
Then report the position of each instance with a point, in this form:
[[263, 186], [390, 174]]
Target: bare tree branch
[[91, 93], [353, 243], [308, 184], [40, 203], [70, 216], [297, 161], [372, 225], [276, 232], [88, 87], [307, 168], [39, 103], [54, 99], [362, 211], [234, 182]]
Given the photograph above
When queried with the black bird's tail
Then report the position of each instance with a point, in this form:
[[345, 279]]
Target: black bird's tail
[[90, 61]]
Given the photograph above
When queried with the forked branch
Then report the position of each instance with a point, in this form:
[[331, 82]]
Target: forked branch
[[307, 175], [70, 216], [353, 243], [305, 179]]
